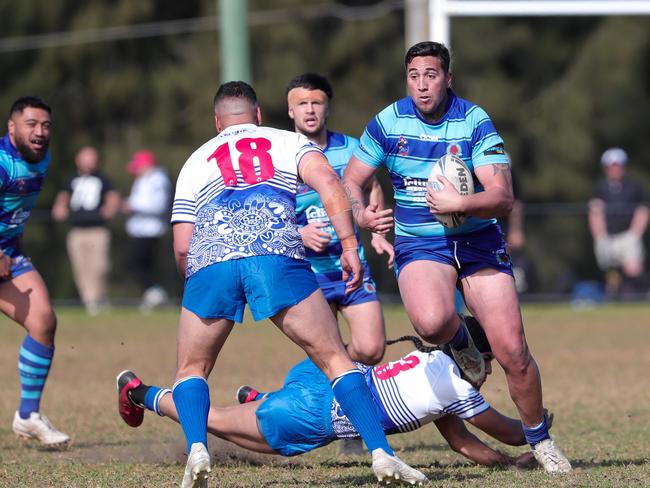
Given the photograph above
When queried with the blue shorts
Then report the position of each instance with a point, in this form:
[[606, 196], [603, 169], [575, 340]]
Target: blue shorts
[[269, 284], [20, 264], [467, 253], [334, 289], [298, 418]]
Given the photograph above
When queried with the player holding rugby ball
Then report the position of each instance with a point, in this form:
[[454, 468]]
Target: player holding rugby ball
[[431, 260]]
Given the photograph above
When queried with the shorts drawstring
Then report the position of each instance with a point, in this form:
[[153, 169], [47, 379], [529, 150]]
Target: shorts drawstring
[[455, 255]]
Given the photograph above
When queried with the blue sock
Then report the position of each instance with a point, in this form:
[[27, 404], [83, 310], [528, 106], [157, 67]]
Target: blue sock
[[353, 395], [192, 399], [535, 435], [153, 396], [34, 363], [460, 340]]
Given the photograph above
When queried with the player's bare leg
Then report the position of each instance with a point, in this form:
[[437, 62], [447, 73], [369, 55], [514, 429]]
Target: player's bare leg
[[237, 423], [25, 300], [492, 298], [312, 326], [199, 342], [367, 332], [367, 345], [428, 290]]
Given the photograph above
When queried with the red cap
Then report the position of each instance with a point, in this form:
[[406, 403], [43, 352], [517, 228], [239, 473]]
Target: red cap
[[141, 160]]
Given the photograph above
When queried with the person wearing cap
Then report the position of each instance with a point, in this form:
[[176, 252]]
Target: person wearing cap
[[148, 208], [88, 201], [618, 218]]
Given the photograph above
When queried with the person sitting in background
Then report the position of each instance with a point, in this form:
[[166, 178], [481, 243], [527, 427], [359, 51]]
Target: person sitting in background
[[148, 208], [425, 386], [618, 218], [88, 201]]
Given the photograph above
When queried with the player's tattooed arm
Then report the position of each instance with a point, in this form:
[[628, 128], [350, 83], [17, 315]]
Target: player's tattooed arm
[[503, 171], [356, 204]]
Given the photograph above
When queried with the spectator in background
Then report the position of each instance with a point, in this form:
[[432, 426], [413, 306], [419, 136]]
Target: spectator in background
[[88, 201], [148, 209], [618, 218]]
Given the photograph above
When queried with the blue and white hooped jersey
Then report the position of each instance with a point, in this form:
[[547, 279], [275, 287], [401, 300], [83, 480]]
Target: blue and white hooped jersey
[[20, 185], [309, 208], [239, 191], [413, 391], [400, 138]]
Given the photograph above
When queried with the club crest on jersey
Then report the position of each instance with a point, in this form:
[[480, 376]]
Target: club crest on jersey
[[503, 258], [369, 287], [454, 149], [302, 188], [402, 146]]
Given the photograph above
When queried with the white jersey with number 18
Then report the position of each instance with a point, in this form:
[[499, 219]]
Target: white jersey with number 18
[[239, 191]]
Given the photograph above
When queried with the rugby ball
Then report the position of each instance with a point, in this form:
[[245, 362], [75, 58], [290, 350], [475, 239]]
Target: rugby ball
[[456, 171]]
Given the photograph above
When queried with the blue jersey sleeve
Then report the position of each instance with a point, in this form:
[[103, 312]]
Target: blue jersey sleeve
[[487, 145], [371, 150]]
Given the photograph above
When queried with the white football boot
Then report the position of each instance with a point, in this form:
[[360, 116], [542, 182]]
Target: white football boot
[[197, 467], [551, 457], [39, 427], [389, 468]]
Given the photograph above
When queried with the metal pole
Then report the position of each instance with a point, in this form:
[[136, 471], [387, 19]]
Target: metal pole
[[416, 22], [439, 28], [235, 57]]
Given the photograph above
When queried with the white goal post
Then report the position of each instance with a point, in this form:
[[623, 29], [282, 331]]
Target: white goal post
[[441, 11]]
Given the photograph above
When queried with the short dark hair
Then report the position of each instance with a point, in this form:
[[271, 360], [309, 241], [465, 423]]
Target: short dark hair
[[429, 48], [235, 89], [29, 101], [312, 81]]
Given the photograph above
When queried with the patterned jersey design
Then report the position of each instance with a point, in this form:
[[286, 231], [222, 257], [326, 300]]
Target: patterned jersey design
[[309, 208], [413, 391], [408, 145], [239, 191], [20, 185]]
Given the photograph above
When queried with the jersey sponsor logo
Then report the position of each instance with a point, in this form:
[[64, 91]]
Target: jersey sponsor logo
[[387, 371], [415, 188], [494, 150], [429, 138], [402, 146]]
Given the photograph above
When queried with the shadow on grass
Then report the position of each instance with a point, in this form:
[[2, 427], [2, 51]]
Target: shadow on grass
[[608, 463]]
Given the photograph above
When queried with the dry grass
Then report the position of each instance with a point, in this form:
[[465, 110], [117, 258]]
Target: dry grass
[[593, 364]]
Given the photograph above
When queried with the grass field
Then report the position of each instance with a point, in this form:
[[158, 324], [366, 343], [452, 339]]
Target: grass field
[[594, 365]]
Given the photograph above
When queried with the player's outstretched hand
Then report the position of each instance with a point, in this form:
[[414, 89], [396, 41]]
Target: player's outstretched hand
[[313, 236], [352, 270], [525, 461], [381, 246], [375, 220]]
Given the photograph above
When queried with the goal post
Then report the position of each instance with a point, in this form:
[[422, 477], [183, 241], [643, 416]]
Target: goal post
[[441, 11]]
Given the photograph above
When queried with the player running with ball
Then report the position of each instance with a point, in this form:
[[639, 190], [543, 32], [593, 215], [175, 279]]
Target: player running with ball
[[431, 260]]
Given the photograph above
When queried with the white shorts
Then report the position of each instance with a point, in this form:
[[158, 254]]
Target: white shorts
[[615, 250]]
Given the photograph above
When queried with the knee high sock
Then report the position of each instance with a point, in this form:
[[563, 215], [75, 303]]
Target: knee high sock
[[34, 364], [353, 395], [192, 399]]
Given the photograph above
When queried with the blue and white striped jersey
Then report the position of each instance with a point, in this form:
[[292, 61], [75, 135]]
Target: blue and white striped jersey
[[20, 185], [408, 145], [413, 391], [239, 191], [309, 208]]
